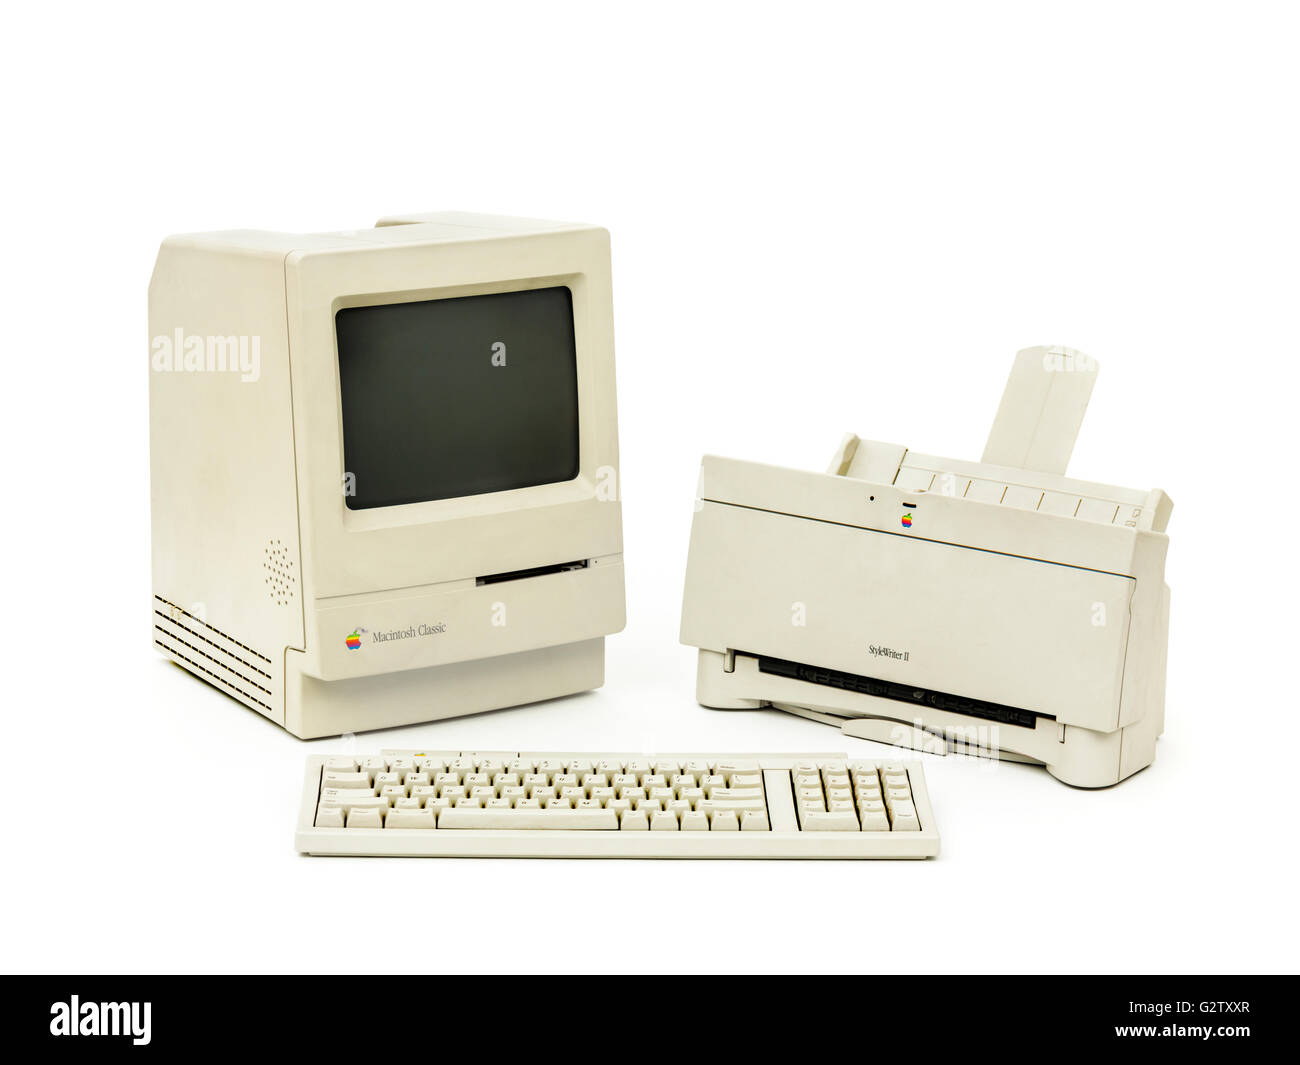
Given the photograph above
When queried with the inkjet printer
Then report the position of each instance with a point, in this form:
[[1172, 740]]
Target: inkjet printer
[[997, 607]]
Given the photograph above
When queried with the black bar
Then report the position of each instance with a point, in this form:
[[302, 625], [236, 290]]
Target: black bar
[[536, 571], [1052, 1018], [888, 689]]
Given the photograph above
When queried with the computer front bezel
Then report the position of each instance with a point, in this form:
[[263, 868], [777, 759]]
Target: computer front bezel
[[353, 552]]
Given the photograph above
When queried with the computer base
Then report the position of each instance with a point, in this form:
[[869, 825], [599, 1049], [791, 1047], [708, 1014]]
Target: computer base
[[314, 707], [1077, 756]]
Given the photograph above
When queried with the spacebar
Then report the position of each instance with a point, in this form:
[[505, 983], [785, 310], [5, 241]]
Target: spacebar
[[568, 820]]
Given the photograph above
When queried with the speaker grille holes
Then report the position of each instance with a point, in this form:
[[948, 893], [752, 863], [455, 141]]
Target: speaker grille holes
[[279, 576]]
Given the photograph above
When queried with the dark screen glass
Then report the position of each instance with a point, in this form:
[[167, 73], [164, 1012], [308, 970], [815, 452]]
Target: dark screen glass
[[429, 412]]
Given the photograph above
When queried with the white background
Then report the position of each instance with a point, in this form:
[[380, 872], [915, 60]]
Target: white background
[[824, 218]]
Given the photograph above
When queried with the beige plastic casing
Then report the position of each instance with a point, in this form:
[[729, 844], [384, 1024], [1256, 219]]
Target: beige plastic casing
[[993, 590], [261, 571], [783, 841]]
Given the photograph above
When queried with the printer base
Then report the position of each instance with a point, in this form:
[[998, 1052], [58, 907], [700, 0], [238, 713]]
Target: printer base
[[1077, 756]]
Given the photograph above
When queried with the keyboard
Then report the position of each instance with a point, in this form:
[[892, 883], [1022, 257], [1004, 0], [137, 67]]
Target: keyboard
[[550, 805]]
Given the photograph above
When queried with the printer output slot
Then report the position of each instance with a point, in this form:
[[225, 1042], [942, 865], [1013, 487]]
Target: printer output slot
[[905, 693], [536, 571]]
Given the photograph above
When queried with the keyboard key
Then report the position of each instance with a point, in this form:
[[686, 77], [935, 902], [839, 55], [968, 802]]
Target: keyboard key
[[840, 821], [346, 780], [329, 817], [417, 818], [565, 820], [719, 794], [351, 798], [364, 817], [735, 806], [904, 817], [736, 765]]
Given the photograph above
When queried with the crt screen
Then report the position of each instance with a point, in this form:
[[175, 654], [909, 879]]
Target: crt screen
[[457, 397]]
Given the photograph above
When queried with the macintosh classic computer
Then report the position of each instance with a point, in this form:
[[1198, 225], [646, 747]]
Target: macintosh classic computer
[[384, 467]]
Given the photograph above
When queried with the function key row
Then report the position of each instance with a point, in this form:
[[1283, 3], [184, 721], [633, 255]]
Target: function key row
[[533, 785], [453, 761]]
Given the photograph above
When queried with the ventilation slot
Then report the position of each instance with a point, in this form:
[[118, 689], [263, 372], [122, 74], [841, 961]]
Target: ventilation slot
[[217, 657], [536, 571]]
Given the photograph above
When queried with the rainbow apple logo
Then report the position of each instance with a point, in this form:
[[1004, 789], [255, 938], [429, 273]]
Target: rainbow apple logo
[[354, 641], [907, 524]]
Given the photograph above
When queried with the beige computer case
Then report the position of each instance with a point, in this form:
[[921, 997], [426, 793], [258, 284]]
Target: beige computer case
[[260, 571]]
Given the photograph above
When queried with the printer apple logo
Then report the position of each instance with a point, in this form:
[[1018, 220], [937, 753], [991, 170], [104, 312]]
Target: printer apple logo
[[354, 640], [907, 521]]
